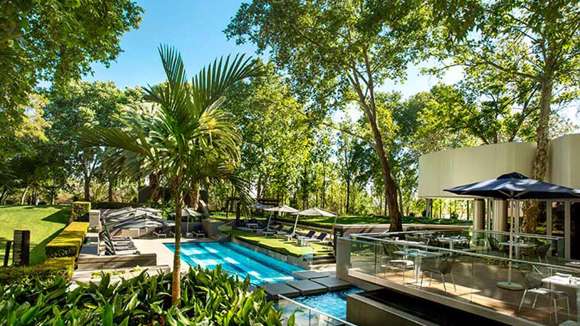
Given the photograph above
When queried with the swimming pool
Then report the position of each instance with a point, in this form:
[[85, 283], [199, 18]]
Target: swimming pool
[[236, 260], [331, 303]]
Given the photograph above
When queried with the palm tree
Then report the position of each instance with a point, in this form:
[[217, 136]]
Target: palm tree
[[186, 130]]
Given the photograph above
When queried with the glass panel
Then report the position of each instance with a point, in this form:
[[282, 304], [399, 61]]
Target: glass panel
[[475, 268], [305, 315]]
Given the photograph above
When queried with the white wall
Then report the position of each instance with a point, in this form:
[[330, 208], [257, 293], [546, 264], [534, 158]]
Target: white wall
[[449, 168]]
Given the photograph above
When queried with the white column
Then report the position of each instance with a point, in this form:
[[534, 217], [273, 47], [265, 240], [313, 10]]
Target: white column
[[567, 229], [499, 215], [478, 214], [549, 222]]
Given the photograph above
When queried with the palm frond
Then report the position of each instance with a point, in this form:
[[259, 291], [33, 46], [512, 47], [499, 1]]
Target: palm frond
[[212, 81]]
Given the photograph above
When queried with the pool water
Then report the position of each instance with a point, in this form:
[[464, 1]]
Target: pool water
[[331, 303], [236, 260]]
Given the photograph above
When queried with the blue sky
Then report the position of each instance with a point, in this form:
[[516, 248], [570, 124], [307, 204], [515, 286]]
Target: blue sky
[[195, 28]]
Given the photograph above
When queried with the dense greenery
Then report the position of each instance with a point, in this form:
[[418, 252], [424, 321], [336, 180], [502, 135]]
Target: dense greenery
[[316, 127], [187, 141], [56, 41], [209, 298], [44, 224]]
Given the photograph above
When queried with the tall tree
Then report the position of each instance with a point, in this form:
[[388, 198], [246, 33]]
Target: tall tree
[[82, 105], [277, 140], [187, 130], [338, 51], [56, 41], [537, 40]]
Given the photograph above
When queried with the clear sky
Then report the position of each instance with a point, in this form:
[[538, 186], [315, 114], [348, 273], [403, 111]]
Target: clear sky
[[195, 28]]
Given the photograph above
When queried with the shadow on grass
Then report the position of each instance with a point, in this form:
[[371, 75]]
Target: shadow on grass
[[38, 254], [61, 216]]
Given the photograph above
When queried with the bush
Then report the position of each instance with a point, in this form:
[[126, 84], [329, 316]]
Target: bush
[[79, 209], [69, 241], [111, 205], [208, 298], [13, 274], [66, 265]]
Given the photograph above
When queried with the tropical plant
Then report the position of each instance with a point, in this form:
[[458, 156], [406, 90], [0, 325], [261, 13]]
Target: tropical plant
[[209, 298], [187, 139]]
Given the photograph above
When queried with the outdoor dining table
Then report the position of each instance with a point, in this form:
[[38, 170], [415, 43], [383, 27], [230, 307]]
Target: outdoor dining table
[[518, 245], [568, 281], [452, 240], [418, 255]]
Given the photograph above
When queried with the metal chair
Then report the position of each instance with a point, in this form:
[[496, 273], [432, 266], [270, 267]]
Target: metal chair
[[398, 265], [439, 266], [533, 285]]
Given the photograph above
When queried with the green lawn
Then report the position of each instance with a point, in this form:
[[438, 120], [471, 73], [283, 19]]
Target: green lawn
[[44, 224], [279, 244]]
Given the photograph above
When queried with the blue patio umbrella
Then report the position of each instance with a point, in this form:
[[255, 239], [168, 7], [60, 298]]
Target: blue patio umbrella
[[515, 186]]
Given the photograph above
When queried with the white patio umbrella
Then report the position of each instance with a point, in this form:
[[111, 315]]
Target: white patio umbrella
[[279, 209], [315, 211], [188, 212]]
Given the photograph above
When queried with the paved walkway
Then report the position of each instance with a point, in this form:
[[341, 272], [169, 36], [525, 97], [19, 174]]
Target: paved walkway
[[164, 254]]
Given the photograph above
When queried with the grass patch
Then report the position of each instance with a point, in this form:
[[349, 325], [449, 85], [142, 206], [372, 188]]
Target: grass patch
[[280, 245], [44, 224]]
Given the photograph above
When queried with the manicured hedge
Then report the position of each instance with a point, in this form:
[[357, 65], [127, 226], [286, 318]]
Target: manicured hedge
[[79, 208], [63, 266], [68, 242]]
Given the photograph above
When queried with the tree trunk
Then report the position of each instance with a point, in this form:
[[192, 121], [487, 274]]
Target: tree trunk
[[176, 276], [532, 209], [194, 197], [391, 202], [110, 190], [23, 198], [347, 195], [87, 188]]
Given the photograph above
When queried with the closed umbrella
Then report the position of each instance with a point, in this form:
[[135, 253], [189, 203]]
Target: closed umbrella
[[279, 209], [513, 187], [312, 212]]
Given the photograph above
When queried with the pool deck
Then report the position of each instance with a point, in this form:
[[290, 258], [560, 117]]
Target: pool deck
[[164, 254]]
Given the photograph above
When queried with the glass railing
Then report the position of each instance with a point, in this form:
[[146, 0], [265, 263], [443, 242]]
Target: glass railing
[[306, 316], [532, 247], [468, 270]]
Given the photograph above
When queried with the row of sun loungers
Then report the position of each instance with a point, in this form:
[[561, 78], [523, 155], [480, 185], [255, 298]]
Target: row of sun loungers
[[280, 230]]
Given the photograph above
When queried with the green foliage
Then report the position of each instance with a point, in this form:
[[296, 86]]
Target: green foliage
[[69, 241], [79, 106], [56, 41], [79, 208], [51, 268], [209, 297], [187, 138]]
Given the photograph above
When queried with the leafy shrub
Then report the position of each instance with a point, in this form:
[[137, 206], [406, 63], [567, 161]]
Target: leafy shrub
[[69, 241], [79, 209], [111, 205], [208, 298], [18, 273]]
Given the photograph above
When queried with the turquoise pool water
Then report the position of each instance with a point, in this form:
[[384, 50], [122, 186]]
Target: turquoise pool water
[[236, 260], [331, 303]]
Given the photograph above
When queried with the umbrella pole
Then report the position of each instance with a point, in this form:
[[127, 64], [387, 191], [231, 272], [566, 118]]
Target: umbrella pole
[[511, 242], [295, 224], [509, 285], [268, 224]]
